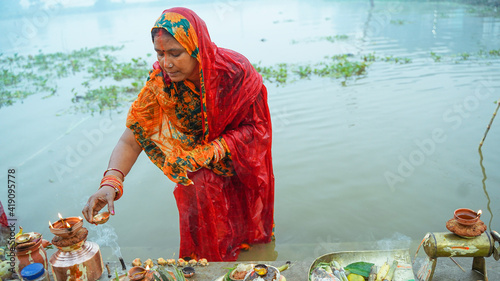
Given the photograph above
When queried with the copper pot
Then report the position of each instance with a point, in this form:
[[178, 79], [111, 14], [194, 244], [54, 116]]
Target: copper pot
[[72, 263]]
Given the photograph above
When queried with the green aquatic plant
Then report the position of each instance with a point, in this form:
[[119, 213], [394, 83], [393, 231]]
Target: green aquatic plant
[[274, 74], [23, 76], [464, 56], [484, 11], [335, 38], [107, 82], [398, 22], [342, 66], [369, 57], [303, 71], [338, 66], [435, 57], [494, 52], [10, 97], [331, 38], [396, 60]]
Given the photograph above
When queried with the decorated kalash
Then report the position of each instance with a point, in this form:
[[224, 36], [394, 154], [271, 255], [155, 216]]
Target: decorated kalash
[[29, 247], [467, 238]]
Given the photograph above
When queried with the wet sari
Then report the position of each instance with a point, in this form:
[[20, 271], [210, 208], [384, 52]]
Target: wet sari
[[231, 201]]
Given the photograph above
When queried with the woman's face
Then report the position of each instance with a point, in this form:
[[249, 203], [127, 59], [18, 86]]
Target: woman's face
[[174, 59]]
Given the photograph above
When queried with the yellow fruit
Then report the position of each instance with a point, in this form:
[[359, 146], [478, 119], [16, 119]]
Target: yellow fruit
[[355, 277]]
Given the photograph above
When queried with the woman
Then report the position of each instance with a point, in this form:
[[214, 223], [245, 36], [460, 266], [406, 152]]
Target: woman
[[203, 119]]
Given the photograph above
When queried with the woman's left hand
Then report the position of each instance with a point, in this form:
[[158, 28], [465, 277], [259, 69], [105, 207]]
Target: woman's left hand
[[177, 166], [176, 170]]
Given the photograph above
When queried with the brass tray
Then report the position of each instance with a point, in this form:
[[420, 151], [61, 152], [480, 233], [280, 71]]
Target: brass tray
[[404, 271]]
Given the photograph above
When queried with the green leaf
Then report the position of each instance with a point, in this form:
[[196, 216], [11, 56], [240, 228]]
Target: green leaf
[[361, 268], [164, 276]]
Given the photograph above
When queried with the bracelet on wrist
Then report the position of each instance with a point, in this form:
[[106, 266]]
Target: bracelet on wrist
[[114, 169], [115, 183]]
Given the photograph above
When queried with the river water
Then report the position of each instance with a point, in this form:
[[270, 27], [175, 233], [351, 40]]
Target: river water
[[374, 164]]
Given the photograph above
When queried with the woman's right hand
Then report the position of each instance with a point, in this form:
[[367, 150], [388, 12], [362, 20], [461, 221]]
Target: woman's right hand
[[104, 196]]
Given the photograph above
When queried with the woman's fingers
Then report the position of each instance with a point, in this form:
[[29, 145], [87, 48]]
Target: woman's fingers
[[111, 204], [87, 210], [104, 196]]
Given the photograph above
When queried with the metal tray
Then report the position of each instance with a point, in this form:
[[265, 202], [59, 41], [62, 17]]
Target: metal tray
[[404, 272]]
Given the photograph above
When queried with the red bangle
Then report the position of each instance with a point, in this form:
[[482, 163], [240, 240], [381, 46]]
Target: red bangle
[[115, 183], [118, 190], [114, 169]]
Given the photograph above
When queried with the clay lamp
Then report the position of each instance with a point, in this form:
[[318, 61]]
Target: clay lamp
[[23, 238], [101, 218], [188, 271], [260, 269], [263, 272], [26, 240], [66, 227], [467, 217], [137, 273]]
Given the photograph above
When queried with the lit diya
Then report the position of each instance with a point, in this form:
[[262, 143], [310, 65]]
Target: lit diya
[[66, 227]]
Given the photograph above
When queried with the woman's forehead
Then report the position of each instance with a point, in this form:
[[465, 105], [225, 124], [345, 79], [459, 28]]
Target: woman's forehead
[[165, 42]]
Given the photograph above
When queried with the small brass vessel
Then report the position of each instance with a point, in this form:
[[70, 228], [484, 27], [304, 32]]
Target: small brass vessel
[[101, 218], [23, 238]]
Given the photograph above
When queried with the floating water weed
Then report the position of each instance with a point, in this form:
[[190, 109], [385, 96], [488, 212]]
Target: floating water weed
[[484, 11], [369, 57], [304, 71], [435, 57], [464, 56], [23, 76], [398, 22], [396, 60], [332, 39], [344, 66], [111, 84], [336, 38], [494, 52]]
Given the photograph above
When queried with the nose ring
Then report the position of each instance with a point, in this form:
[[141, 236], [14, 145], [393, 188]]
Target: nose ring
[[170, 65]]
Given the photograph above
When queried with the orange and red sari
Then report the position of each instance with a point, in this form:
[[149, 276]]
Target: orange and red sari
[[231, 201]]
